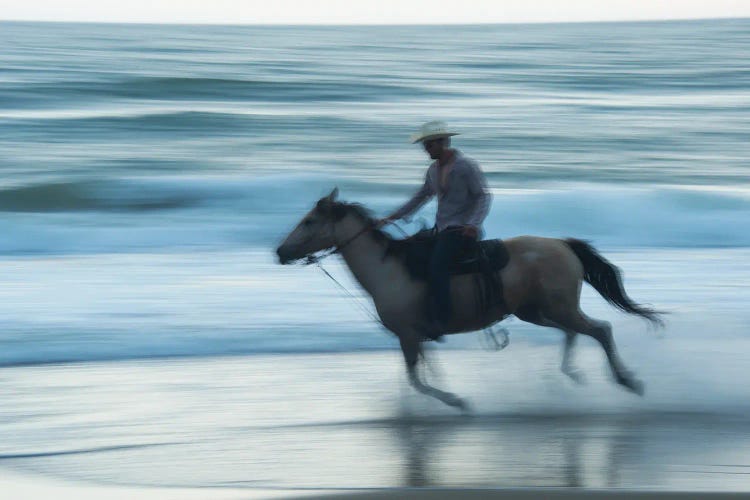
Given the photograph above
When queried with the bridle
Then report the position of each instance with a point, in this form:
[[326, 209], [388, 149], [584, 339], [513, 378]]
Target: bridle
[[314, 258]]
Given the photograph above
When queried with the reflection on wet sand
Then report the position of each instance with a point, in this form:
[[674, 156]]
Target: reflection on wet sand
[[613, 451]]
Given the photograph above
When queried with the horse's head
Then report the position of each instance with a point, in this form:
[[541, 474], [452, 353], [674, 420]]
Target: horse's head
[[315, 232]]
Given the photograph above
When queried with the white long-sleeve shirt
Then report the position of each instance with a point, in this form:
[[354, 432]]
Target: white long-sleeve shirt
[[465, 201]]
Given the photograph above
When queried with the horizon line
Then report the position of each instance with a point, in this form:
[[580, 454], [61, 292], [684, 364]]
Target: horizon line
[[370, 24]]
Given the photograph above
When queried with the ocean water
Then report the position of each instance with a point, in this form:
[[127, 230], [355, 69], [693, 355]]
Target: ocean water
[[147, 173]]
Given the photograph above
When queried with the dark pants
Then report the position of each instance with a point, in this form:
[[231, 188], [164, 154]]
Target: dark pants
[[450, 244]]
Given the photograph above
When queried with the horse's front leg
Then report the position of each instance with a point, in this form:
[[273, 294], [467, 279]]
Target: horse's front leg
[[412, 349]]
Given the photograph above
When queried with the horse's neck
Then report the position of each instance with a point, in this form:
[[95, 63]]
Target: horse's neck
[[364, 256]]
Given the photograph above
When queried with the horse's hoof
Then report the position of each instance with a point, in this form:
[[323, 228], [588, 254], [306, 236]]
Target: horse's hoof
[[634, 385], [576, 376], [465, 408], [457, 402]]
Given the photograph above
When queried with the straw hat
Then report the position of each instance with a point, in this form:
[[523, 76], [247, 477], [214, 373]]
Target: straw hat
[[432, 130]]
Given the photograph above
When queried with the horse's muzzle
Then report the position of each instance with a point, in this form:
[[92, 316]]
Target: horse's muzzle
[[284, 257]]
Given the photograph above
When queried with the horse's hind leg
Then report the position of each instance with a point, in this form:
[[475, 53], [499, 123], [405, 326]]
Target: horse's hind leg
[[567, 366], [412, 349], [532, 315], [602, 332]]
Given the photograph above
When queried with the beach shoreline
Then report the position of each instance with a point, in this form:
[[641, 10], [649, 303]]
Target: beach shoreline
[[19, 485]]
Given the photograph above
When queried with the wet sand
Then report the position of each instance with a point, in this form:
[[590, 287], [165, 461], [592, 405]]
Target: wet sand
[[347, 424], [21, 486], [529, 494]]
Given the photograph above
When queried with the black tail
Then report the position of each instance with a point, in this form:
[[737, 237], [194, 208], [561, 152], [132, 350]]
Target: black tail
[[606, 279]]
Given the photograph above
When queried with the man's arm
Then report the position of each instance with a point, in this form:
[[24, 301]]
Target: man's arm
[[419, 199], [477, 186]]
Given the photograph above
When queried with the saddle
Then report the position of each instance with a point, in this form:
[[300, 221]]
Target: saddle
[[483, 257]]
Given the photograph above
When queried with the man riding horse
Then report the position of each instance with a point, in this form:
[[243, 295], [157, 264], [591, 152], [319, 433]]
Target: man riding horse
[[540, 278], [463, 204]]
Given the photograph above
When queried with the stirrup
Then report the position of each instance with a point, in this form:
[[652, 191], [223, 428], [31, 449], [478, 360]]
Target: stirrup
[[491, 338]]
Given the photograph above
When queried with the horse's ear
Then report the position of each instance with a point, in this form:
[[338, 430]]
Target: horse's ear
[[328, 203], [329, 206]]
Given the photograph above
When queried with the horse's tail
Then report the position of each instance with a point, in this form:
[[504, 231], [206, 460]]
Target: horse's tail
[[606, 279]]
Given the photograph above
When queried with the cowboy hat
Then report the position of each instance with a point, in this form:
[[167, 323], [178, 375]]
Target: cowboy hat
[[432, 130]]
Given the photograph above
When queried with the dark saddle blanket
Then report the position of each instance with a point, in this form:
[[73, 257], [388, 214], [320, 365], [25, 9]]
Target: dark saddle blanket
[[483, 257]]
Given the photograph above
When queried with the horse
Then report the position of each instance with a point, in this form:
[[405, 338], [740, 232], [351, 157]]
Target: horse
[[541, 284]]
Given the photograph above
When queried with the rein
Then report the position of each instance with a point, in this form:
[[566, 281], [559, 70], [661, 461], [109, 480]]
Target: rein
[[315, 259], [356, 300]]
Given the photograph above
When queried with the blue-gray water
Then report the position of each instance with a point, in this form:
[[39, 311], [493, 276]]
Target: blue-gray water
[[172, 149], [147, 172]]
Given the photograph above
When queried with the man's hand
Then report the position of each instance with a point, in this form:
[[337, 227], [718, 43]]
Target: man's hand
[[470, 232], [382, 222]]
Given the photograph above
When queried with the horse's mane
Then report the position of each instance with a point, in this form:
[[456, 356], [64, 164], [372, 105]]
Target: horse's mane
[[394, 246], [397, 247], [365, 215]]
